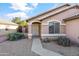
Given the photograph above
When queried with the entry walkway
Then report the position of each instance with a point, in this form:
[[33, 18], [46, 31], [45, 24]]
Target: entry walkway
[[38, 49]]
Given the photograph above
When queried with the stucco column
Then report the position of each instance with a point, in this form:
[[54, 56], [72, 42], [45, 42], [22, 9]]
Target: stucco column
[[29, 31], [62, 29]]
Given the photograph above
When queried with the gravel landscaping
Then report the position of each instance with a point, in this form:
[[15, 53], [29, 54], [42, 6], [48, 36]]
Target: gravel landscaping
[[66, 51], [17, 48]]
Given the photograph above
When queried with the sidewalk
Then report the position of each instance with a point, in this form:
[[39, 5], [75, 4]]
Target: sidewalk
[[38, 49]]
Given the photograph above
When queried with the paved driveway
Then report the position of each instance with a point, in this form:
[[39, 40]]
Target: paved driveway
[[17, 48]]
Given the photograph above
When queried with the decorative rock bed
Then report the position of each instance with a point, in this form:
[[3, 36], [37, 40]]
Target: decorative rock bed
[[3, 38]]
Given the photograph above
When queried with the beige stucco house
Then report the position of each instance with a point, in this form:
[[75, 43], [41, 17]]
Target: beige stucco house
[[10, 26], [61, 21]]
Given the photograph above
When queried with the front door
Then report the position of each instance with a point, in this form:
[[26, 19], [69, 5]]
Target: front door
[[36, 30]]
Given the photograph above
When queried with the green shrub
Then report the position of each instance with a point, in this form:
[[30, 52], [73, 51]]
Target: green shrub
[[64, 41], [15, 36], [46, 40]]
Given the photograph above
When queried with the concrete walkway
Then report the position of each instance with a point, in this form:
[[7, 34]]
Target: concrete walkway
[[38, 49]]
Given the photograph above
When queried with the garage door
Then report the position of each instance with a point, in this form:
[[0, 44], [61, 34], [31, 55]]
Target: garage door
[[72, 30]]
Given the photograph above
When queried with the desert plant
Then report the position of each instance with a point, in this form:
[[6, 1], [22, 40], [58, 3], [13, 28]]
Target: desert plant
[[15, 36], [64, 41], [46, 40]]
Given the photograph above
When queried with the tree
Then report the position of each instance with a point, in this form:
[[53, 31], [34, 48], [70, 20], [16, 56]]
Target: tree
[[23, 23], [16, 20], [20, 22]]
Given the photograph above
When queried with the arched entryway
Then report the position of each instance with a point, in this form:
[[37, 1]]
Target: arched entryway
[[36, 27]]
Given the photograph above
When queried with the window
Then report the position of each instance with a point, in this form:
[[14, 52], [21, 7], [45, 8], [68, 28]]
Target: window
[[54, 27]]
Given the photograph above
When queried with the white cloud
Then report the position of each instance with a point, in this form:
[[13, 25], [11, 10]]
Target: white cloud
[[22, 15], [20, 6], [34, 4], [23, 6], [22, 9]]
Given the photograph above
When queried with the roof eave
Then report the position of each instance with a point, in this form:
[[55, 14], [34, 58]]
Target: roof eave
[[48, 11], [71, 18]]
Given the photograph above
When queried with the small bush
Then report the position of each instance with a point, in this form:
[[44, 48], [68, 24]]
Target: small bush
[[15, 36], [46, 40], [64, 41]]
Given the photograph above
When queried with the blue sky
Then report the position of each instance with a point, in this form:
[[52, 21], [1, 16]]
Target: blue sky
[[23, 10]]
